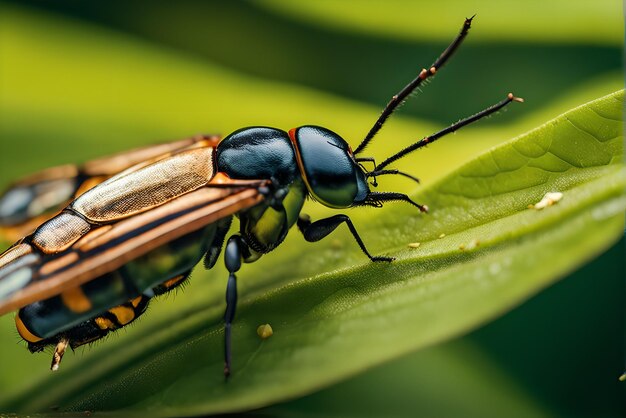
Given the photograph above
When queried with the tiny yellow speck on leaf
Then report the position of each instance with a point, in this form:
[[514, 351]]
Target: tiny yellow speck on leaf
[[414, 245], [442, 235], [265, 331], [470, 246]]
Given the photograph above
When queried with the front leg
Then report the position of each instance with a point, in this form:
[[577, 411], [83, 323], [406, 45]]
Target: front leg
[[315, 231]]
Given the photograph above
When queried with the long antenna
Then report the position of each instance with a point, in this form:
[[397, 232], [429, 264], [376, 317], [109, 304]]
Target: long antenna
[[397, 99], [432, 138]]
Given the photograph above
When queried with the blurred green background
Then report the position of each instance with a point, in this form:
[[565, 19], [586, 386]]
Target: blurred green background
[[79, 80]]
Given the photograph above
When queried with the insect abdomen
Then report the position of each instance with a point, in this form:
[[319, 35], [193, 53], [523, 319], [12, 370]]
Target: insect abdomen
[[90, 311]]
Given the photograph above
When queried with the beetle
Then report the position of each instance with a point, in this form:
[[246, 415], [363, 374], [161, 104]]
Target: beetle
[[93, 267]]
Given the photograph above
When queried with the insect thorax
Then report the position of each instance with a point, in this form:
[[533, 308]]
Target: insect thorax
[[258, 153], [264, 153]]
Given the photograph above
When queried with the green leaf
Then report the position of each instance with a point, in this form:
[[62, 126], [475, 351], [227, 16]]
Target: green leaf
[[92, 91], [328, 326], [505, 21], [419, 384]]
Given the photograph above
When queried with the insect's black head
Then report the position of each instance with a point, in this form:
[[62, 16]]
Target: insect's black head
[[330, 171]]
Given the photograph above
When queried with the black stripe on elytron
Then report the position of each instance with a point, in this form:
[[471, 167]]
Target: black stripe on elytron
[[141, 230], [251, 185], [119, 240], [53, 256]]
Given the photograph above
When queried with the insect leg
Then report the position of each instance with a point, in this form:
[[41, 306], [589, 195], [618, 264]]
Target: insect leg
[[232, 259], [315, 231], [59, 350], [376, 199], [215, 247]]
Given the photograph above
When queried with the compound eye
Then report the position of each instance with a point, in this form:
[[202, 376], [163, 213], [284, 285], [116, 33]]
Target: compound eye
[[327, 165]]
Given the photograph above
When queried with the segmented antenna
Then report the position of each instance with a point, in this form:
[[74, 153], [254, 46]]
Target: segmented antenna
[[397, 99], [463, 122]]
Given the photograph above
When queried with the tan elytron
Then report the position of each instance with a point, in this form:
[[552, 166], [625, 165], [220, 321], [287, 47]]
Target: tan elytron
[[133, 192], [161, 201], [52, 189], [59, 233]]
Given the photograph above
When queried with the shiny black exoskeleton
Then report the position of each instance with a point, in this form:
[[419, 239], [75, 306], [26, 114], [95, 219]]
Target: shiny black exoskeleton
[[313, 161]]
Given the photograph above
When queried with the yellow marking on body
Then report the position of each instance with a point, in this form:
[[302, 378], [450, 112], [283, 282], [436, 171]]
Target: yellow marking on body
[[221, 178], [25, 332], [173, 281], [135, 302], [76, 300], [124, 314], [104, 323], [57, 264]]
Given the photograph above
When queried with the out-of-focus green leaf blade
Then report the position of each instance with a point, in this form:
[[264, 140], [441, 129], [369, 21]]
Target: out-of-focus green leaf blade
[[419, 384], [556, 21], [332, 325], [321, 50]]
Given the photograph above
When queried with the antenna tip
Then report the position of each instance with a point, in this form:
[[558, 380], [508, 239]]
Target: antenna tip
[[515, 99]]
